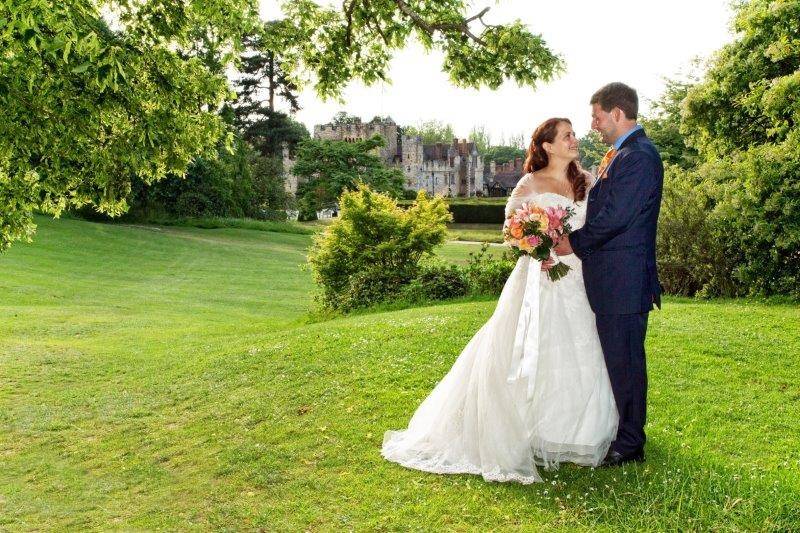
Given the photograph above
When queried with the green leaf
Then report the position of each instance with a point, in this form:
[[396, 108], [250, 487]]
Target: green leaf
[[67, 50], [83, 67], [121, 69]]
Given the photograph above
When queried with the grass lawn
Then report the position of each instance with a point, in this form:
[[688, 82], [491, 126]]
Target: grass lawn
[[475, 232], [167, 377]]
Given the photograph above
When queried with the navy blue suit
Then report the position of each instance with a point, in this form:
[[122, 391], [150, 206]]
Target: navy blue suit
[[618, 248]]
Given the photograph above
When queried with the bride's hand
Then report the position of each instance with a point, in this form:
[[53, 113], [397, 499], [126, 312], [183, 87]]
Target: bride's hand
[[563, 247], [548, 264]]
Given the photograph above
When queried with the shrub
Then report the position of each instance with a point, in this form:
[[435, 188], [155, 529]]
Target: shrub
[[757, 217], [487, 274], [374, 247], [371, 286], [193, 204], [235, 184], [477, 210], [437, 280], [691, 258], [732, 227]]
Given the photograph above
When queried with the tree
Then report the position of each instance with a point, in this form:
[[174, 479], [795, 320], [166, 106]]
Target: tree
[[262, 69], [481, 138], [591, 149], [262, 78], [342, 118], [356, 41], [328, 168], [432, 132], [749, 94], [91, 107], [237, 183], [744, 119], [503, 154], [269, 131], [664, 125]]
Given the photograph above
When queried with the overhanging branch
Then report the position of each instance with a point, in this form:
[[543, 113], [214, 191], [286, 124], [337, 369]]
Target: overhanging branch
[[430, 28]]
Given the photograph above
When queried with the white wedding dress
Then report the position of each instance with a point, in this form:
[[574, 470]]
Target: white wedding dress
[[530, 387]]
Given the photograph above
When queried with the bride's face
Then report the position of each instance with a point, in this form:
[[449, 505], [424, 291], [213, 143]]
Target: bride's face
[[565, 144]]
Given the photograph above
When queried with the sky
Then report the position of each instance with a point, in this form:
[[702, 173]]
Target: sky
[[633, 41]]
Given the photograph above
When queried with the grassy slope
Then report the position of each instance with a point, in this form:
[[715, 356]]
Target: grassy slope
[[166, 378]]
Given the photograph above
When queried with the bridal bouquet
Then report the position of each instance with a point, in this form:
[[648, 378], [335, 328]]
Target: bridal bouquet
[[534, 230]]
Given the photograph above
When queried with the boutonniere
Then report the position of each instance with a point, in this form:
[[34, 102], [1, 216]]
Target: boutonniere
[[604, 164]]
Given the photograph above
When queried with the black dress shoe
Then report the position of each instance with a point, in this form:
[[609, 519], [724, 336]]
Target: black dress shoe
[[614, 458]]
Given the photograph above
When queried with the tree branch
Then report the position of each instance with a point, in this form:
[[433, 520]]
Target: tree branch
[[348, 11], [368, 18], [478, 16], [462, 27]]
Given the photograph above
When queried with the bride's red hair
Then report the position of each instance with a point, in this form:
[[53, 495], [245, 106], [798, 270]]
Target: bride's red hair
[[536, 158]]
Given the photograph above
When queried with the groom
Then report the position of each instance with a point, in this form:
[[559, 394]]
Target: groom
[[617, 246]]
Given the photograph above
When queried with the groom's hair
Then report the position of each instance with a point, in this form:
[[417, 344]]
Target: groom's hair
[[617, 95]]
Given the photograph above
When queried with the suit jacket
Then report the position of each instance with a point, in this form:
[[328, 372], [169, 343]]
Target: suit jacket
[[617, 244]]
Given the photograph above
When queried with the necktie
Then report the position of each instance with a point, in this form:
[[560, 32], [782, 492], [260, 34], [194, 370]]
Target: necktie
[[601, 170]]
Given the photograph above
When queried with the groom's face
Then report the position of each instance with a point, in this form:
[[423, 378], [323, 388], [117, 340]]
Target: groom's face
[[603, 123]]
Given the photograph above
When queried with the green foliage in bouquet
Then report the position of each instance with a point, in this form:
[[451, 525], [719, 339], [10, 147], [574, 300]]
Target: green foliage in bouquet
[[374, 248]]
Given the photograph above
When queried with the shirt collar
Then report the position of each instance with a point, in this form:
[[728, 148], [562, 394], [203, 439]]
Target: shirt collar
[[624, 136]]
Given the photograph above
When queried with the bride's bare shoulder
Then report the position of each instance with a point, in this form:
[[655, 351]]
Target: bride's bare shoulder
[[529, 181], [526, 178]]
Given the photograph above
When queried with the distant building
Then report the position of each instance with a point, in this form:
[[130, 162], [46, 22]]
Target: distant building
[[328, 213], [504, 177], [290, 180], [449, 169], [360, 131]]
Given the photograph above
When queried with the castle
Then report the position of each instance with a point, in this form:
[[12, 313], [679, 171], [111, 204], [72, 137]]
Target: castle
[[455, 169]]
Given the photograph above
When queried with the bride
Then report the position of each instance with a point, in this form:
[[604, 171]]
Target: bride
[[531, 387]]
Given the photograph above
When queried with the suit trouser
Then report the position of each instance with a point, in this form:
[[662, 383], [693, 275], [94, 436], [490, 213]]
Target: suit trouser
[[622, 339]]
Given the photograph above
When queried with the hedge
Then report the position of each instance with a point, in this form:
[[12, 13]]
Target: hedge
[[477, 213], [471, 213]]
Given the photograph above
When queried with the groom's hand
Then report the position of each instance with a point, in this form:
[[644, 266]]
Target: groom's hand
[[563, 247]]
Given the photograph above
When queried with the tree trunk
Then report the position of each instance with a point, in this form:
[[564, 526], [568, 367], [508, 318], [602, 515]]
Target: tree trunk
[[271, 78]]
